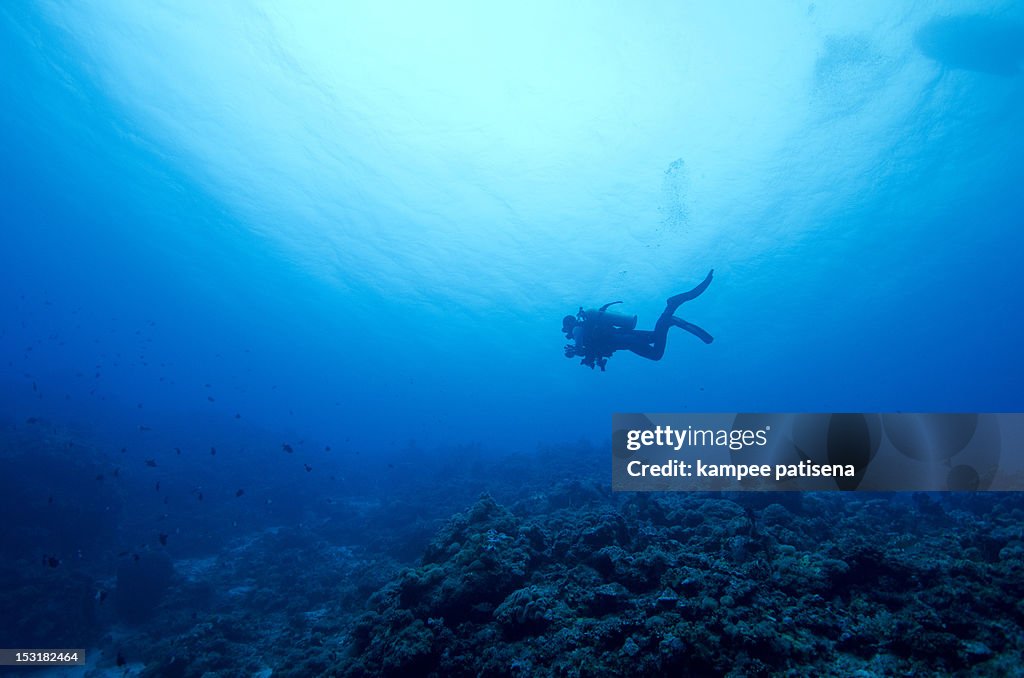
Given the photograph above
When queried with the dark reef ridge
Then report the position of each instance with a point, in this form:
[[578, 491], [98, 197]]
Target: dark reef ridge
[[700, 585]]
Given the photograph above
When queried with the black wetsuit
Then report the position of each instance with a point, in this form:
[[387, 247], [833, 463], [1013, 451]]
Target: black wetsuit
[[596, 340]]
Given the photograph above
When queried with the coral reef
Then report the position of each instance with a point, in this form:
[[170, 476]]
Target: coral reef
[[709, 585], [548, 573]]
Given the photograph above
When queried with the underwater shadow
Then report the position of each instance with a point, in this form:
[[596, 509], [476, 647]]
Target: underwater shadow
[[973, 42]]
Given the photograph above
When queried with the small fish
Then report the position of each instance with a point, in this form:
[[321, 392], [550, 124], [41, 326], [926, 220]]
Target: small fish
[[239, 493], [308, 468], [99, 476], [116, 473], [151, 462], [31, 420], [287, 448], [122, 554], [210, 398], [123, 450], [213, 451], [51, 561], [143, 427], [327, 448], [163, 539], [177, 450], [120, 659], [136, 557], [158, 486], [101, 595], [237, 415], [200, 495], [50, 499]]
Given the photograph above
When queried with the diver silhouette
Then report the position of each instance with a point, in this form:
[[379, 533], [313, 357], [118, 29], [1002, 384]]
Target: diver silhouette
[[598, 333]]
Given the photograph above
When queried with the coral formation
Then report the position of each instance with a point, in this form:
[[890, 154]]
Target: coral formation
[[698, 584]]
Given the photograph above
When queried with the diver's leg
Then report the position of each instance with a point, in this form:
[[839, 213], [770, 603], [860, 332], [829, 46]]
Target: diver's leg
[[654, 346], [700, 333], [648, 351], [644, 343], [651, 344], [674, 302]]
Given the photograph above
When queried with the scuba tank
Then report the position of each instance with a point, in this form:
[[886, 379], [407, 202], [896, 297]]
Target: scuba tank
[[602, 317]]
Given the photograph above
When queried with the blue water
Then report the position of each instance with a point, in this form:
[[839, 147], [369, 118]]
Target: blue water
[[375, 219], [359, 226]]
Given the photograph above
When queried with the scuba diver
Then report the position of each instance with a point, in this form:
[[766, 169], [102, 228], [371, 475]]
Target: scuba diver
[[598, 333]]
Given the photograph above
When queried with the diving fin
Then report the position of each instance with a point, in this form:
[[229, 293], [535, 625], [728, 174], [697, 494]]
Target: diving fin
[[674, 302], [698, 332]]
